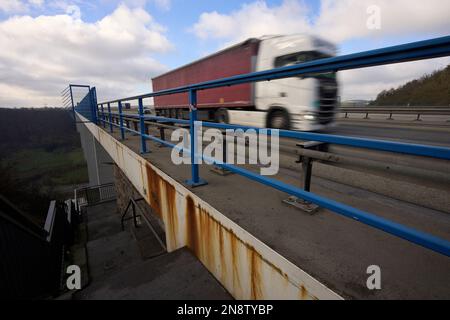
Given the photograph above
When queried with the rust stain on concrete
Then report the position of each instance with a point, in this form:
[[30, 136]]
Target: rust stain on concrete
[[255, 273], [208, 227], [171, 205], [209, 240], [205, 237], [234, 245], [154, 190], [223, 264], [192, 240]]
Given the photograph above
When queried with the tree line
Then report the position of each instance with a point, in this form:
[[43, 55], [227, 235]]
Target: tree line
[[430, 90], [48, 128]]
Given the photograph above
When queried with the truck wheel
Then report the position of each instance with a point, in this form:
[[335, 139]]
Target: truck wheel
[[279, 119], [221, 116]]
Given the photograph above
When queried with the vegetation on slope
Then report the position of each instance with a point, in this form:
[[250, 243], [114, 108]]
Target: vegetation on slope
[[40, 157], [430, 90]]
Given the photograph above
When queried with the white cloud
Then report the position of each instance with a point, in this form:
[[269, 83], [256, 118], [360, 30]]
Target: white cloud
[[339, 21], [12, 6], [347, 19], [19, 6], [253, 20], [367, 83], [46, 53]]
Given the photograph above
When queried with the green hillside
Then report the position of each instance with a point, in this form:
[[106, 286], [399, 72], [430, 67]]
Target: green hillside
[[40, 158], [430, 90]]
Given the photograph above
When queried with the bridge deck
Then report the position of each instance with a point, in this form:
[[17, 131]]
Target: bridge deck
[[333, 249]]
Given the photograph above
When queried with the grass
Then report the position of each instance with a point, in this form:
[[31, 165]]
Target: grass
[[49, 168]]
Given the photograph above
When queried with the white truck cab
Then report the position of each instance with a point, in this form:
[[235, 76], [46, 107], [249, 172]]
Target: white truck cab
[[305, 103]]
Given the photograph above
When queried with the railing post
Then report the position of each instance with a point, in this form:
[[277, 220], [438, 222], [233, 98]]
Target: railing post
[[142, 126], [86, 193], [134, 214], [103, 115], [110, 118], [94, 106], [307, 170], [195, 181], [73, 106], [162, 135], [122, 130]]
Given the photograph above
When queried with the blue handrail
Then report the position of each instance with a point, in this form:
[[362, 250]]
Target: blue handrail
[[408, 52]]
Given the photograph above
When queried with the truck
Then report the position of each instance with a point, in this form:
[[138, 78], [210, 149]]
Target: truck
[[304, 103]]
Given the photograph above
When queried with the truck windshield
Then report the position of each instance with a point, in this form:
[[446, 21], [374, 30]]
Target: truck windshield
[[301, 57]]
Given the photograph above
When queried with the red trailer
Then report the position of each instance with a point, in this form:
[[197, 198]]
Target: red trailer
[[239, 59]]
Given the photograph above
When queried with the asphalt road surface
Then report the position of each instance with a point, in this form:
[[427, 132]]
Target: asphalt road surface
[[413, 134]]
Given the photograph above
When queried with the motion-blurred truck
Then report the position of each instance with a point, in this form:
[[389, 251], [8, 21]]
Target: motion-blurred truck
[[305, 103]]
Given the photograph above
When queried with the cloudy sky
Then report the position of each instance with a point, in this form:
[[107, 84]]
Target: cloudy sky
[[118, 46]]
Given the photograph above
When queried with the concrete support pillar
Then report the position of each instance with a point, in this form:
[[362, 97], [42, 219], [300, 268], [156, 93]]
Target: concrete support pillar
[[100, 164]]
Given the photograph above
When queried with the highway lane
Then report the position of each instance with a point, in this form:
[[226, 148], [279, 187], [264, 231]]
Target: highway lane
[[425, 132], [413, 134]]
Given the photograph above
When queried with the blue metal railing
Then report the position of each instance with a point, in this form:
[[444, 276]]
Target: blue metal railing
[[84, 102], [408, 52]]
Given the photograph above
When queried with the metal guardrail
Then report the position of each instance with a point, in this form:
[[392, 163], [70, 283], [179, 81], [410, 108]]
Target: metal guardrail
[[81, 97], [408, 52], [419, 111], [92, 195]]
